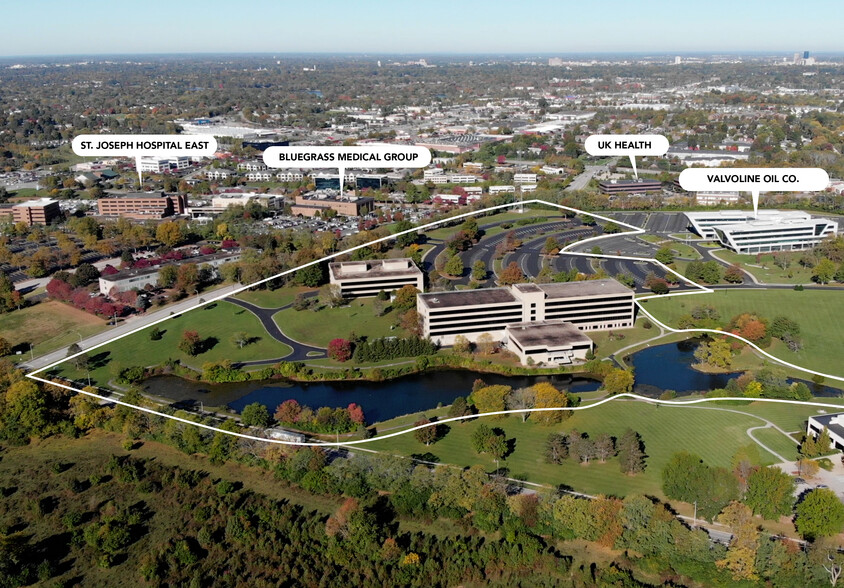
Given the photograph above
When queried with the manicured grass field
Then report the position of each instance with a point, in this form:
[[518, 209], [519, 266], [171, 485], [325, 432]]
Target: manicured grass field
[[604, 347], [48, 326], [320, 327], [218, 322], [683, 250], [817, 312], [272, 298], [713, 434], [765, 271], [790, 417], [776, 441]]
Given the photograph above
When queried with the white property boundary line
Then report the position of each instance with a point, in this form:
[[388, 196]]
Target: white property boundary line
[[634, 231]]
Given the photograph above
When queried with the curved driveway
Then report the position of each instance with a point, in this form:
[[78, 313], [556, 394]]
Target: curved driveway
[[301, 351]]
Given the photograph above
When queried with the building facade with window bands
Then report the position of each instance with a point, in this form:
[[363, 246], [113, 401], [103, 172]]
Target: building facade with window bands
[[588, 305], [368, 278], [553, 342], [769, 230]]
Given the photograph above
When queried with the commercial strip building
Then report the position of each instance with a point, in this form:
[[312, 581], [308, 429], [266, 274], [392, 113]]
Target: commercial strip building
[[630, 186], [36, 212], [553, 342], [141, 278], [142, 205], [833, 423], [588, 305], [312, 204], [769, 230], [368, 278], [716, 198]]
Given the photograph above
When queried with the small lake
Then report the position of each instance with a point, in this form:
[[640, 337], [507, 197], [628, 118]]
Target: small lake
[[669, 367], [379, 400], [658, 368]]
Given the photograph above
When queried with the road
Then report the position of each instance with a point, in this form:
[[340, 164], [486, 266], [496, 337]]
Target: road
[[581, 180], [131, 324], [301, 351]]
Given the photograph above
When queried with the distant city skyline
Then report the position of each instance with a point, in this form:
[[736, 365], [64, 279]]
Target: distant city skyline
[[95, 27]]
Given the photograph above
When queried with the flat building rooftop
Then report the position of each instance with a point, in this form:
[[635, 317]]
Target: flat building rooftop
[[483, 296], [552, 333]]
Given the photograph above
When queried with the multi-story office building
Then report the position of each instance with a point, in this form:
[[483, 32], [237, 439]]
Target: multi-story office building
[[311, 204], [551, 342], [834, 425], [502, 189], [368, 181], [589, 305], [163, 164], [716, 198], [524, 178], [769, 230], [143, 205], [36, 212], [629, 186], [368, 278]]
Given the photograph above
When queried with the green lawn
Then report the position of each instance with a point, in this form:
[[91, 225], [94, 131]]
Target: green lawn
[[713, 434], [776, 441], [320, 327], [48, 326], [817, 312], [219, 322], [790, 417], [683, 250], [26, 193], [764, 270], [606, 345], [272, 298]]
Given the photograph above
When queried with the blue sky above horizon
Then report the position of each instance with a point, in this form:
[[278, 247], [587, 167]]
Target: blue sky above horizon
[[95, 27]]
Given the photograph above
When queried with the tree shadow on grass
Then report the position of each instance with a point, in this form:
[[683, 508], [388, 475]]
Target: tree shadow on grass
[[208, 344], [99, 360]]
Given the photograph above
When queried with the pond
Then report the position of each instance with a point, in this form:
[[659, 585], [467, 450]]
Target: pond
[[380, 400], [658, 368], [669, 367]]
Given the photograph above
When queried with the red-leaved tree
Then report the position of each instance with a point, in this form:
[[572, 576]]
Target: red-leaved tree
[[340, 349]]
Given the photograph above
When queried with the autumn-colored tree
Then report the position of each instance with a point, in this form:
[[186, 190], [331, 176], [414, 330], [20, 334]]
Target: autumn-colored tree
[[461, 344], [740, 560], [170, 233], [288, 411], [337, 524], [618, 381], [547, 396], [734, 274], [190, 344], [187, 278], [512, 274], [486, 344], [405, 298], [491, 398], [356, 413], [411, 322], [340, 349]]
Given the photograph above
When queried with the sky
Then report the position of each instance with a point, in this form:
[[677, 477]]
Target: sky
[[95, 27]]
